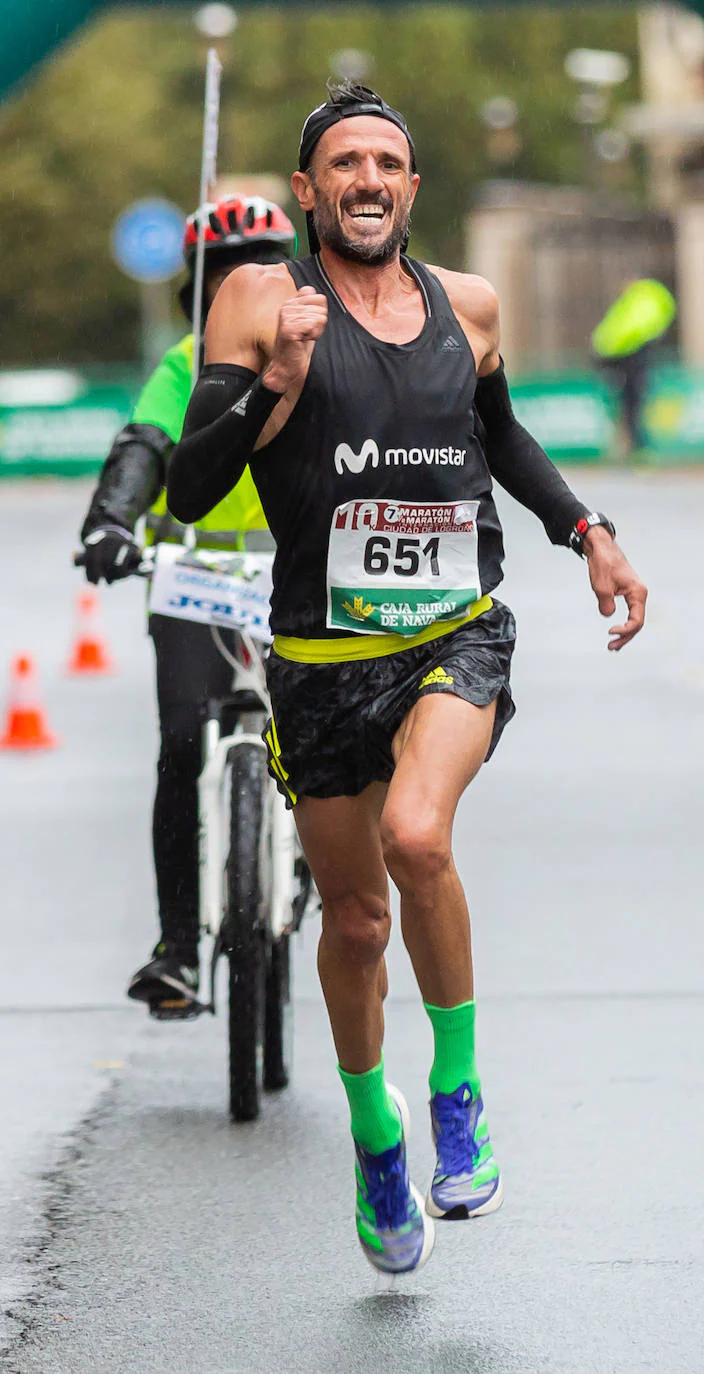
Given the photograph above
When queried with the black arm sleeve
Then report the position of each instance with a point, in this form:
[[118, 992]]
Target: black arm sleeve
[[520, 465], [226, 414], [131, 478]]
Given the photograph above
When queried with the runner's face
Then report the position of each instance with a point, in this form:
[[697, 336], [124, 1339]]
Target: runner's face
[[362, 189]]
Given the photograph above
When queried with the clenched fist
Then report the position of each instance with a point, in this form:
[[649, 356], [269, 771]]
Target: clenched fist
[[302, 320]]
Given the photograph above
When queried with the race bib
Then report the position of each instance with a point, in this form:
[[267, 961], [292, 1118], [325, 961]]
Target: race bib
[[395, 567], [212, 588]]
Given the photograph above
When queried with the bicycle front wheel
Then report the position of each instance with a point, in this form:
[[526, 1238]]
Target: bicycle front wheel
[[243, 932]]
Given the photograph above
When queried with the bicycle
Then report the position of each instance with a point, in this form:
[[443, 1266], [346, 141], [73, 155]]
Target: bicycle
[[254, 882]]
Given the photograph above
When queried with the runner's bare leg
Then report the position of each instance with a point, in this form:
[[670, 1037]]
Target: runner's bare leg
[[439, 748], [340, 836]]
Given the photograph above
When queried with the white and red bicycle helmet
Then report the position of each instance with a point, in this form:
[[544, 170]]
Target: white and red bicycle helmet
[[237, 229]]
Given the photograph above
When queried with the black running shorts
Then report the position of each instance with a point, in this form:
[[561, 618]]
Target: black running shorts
[[333, 723]]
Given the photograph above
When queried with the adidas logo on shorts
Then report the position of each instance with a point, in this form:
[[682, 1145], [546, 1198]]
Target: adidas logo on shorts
[[436, 678]]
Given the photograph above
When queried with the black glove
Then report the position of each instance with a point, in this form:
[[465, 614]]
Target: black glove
[[111, 553]]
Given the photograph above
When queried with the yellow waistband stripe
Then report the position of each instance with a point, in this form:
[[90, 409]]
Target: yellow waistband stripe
[[370, 646]]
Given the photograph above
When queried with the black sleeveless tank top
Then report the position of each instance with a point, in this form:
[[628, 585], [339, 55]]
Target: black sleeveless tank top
[[375, 421]]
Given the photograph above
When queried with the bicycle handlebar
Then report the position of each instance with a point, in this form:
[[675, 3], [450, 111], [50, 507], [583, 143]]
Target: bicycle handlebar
[[146, 569]]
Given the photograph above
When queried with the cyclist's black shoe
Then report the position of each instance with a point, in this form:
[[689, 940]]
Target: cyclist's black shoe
[[168, 983]]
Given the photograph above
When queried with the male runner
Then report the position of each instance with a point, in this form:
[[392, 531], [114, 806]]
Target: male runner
[[349, 380], [189, 669]]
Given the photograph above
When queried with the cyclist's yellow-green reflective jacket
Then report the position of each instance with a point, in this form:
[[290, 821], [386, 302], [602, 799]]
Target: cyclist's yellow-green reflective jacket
[[639, 315], [163, 402]]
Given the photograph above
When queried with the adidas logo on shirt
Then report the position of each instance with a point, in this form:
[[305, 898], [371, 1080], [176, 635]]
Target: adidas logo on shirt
[[450, 345]]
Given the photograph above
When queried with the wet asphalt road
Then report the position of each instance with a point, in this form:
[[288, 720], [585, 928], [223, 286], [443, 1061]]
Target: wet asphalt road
[[140, 1232]]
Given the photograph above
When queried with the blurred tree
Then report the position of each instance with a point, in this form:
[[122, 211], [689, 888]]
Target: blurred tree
[[118, 116]]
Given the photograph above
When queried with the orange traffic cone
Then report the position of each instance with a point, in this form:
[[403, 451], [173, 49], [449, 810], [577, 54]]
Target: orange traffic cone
[[90, 655], [26, 726]]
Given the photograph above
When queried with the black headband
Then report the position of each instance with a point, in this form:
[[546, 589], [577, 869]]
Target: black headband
[[331, 112]]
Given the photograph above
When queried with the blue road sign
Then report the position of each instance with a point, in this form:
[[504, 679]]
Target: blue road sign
[[147, 240]]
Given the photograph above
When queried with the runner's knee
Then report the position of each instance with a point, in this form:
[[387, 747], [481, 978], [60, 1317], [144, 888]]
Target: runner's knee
[[358, 926], [416, 850]]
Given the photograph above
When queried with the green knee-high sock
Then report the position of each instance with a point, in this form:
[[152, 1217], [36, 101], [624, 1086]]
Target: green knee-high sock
[[454, 1063], [376, 1124]]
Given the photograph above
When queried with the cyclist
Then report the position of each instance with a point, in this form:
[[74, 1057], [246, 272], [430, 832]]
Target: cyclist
[[348, 381], [189, 670]]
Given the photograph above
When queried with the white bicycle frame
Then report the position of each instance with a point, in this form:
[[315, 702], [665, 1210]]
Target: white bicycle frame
[[277, 877], [280, 844]]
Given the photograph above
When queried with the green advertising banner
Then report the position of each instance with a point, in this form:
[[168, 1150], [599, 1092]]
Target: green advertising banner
[[57, 423], [572, 416], [60, 423], [575, 416], [674, 415]]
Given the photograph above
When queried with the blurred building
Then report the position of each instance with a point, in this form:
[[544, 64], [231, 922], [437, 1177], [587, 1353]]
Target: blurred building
[[670, 124], [559, 256], [670, 120]]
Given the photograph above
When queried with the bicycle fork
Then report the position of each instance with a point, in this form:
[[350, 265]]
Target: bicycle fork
[[279, 837]]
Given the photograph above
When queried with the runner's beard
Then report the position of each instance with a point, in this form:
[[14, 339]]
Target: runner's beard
[[331, 233]]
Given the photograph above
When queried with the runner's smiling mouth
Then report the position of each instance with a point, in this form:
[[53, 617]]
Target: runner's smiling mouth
[[365, 213]]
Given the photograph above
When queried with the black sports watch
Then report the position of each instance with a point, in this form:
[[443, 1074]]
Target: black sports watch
[[584, 525]]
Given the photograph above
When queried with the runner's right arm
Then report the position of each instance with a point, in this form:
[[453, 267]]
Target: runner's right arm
[[226, 414], [229, 406], [260, 335]]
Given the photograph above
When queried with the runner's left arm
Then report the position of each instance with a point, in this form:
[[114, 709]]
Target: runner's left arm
[[513, 456], [523, 468], [520, 465]]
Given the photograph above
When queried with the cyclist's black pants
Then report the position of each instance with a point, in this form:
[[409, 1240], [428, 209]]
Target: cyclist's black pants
[[630, 377], [189, 671]]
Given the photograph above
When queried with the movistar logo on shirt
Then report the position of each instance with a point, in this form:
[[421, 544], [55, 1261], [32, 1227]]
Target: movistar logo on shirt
[[345, 457], [356, 462]]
